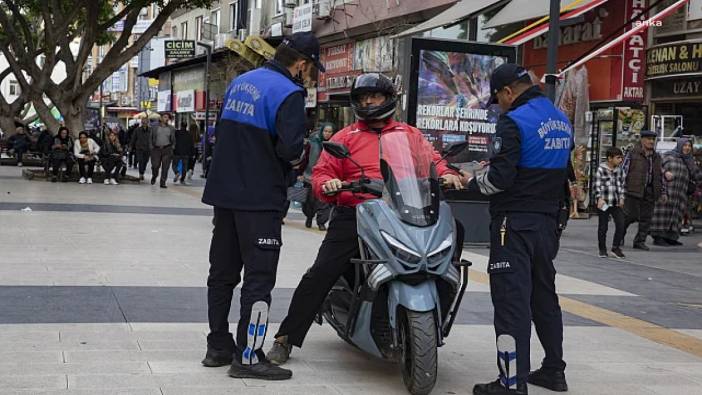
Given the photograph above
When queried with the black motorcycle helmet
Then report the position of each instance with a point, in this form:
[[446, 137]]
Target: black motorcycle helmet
[[373, 83]]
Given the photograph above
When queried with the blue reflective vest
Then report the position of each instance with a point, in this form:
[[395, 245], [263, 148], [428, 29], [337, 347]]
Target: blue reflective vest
[[254, 98], [546, 135]]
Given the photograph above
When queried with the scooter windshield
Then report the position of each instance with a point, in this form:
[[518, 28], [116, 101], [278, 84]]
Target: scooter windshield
[[411, 183]]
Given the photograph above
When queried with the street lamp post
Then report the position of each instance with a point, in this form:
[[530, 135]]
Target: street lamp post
[[206, 145], [554, 32]]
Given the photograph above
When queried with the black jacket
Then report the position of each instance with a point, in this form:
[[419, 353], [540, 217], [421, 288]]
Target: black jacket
[[251, 162], [528, 176], [184, 143], [141, 139]]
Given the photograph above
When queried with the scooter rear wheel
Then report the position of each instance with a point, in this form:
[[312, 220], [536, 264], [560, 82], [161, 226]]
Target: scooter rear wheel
[[418, 337]]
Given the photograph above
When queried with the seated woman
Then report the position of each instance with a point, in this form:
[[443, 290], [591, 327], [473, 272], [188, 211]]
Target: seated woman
[[111, 158], [62, 154], [85, 150]]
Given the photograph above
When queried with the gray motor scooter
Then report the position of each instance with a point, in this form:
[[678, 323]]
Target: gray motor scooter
[[400, 298]]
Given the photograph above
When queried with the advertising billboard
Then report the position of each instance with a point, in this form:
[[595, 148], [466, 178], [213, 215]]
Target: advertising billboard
[[449, 93]]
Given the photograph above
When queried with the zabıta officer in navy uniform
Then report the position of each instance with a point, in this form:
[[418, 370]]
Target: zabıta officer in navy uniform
[[525, 182], [260, 133]]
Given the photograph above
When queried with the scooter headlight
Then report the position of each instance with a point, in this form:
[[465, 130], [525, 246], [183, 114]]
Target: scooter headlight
[[401, 251], [441, 252]]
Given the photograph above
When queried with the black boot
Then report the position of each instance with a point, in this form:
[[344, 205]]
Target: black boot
[[263, 370], [496, 388], [553, 380], [215, 359], [308, 223]]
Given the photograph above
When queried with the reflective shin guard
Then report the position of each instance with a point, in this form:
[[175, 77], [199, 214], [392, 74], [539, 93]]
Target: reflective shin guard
[[507, 360], [256, 333]]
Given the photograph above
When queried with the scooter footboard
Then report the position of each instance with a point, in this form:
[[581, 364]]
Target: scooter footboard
[[421, 297]]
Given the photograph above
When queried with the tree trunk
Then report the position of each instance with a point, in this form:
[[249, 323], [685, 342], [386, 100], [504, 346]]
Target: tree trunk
[[74, 118], [7, 124]]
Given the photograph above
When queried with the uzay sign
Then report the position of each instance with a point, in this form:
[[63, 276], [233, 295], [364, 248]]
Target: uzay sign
[[634, 56]]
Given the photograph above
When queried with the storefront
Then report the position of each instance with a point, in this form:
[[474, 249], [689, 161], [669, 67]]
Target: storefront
[[674, 74], [344, 61]]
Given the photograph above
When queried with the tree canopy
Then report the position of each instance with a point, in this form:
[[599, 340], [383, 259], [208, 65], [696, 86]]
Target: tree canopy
[[37, 35]]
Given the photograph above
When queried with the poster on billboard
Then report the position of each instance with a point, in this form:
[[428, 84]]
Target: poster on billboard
[[449, 94]]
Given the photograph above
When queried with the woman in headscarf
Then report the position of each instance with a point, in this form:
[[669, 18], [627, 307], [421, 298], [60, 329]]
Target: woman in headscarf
[[679, 173], [312, 205]]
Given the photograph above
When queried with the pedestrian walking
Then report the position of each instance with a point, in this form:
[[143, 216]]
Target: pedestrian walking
[[162, 143], [131, 152], [644, 186], [141, 144], [609, 192], [182, 152], [260, 132], [85, 150], [194, 131], [526, 184], [313, 206], [680, 174]]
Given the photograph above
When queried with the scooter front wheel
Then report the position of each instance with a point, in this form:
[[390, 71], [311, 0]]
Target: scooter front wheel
[[418, 337]]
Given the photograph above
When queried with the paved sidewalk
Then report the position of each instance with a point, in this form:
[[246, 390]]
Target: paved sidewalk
[[102, 291]]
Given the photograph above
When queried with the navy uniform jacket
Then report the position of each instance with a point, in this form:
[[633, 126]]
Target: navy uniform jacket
[[532, 147], [260, 131]]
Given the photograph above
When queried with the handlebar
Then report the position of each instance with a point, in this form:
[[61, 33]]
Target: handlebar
[[360, 186]]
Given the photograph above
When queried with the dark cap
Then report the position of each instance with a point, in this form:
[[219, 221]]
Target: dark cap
[[504, 75], [306, 44], [648, 133]]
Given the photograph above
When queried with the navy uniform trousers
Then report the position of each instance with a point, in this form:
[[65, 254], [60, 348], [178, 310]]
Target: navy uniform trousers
[[248, 240], [522, 285]]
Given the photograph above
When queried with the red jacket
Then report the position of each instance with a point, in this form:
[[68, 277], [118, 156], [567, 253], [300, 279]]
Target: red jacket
[[364, 145]]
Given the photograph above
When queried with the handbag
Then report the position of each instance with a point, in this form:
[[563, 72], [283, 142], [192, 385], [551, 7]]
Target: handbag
[[298, 192]]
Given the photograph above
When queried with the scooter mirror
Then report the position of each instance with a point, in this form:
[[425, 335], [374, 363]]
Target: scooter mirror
[[336, 150], [455, 148]]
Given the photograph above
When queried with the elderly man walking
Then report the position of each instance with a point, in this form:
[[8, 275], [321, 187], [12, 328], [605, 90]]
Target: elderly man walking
[[162, 143]]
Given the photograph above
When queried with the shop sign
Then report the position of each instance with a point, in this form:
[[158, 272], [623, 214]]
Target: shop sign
[[675, 58], [580, 33], [339, 63], [164, 101], [677, 88], [185, 101], [179, 49], [302, 18], [634, 50], [311, 99]]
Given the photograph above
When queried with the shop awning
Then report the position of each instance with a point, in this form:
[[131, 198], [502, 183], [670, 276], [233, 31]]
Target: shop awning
[[464, 9], [524, 10], [541, 27]]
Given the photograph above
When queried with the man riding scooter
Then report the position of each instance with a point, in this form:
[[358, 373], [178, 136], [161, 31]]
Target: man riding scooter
[[374, 101]]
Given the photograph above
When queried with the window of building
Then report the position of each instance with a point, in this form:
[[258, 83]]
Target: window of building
[[174, 31], [14, 88], [214, 19], [234, 16], [184, 30], [279, 7], [198, 28]]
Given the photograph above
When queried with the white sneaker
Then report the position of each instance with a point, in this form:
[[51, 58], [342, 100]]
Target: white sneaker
[[113, 181], [19, 164], [190, 175], [107, 182], [82, 180], [90, 180]]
